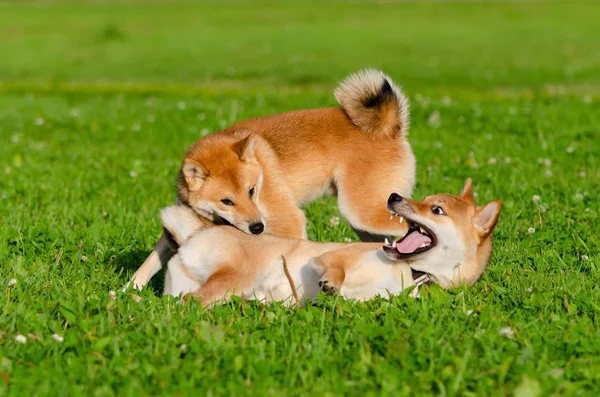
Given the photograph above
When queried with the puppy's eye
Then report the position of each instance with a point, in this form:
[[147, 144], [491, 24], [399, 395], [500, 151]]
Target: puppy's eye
[[251, 191], [227, 202], [438, 210]]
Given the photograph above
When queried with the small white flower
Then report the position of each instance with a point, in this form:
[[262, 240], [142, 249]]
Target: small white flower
[[181, 105], [104, 214], [531, 230], [544, 145], [570, 149], [204, 131], [536, 198], [507, 332], [489, 137], [581, 174], [112, 295], [133, 174], [15, 138], [540, 160], [75, 112], [84, 258], [585, 257], [434, 119], [136, 127], [39, 121], [446, 100], [543, 208], [547, 162], [548, 173], [150, 118], [58, 338], [183, 347], [438, 145], [20, 339], [12, 281], [507, 160], [587, 99], [131, 319], [335, 220], [469, 312], [446, 178], [492, 160], [529, 289], [347, 240], [578, 197]]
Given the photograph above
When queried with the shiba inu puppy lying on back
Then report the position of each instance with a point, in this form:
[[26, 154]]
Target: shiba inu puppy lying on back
[[448, 240], [257, 174]]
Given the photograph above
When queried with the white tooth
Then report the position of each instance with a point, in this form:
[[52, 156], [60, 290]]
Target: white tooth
[[391, 217], [387, 242], [394, 244], [401, 219]]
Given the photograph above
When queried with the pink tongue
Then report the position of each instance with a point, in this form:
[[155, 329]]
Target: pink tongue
[[411, 242]]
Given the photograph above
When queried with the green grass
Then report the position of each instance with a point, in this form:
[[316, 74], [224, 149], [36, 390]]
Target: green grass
[[99, 102]]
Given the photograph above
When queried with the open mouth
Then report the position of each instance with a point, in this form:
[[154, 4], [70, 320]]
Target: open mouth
[[417, 240]]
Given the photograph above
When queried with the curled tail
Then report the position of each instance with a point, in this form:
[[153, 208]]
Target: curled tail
[[181, 222], [374, 103]]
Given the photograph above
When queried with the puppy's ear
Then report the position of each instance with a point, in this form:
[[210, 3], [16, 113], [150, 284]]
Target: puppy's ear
[[195, 174], [486, 218], [467, 191], [245, 148]]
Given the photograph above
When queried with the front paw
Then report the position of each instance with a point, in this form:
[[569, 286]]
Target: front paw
[[327, 288]]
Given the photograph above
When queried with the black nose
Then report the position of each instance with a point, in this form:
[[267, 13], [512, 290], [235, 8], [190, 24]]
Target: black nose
[[394, 198], [257, 228]]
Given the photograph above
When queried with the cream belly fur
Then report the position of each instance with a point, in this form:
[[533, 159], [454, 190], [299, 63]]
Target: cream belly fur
[[262, 275]]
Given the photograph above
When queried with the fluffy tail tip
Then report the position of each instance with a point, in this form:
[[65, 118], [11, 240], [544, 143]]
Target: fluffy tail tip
[[374, 103]]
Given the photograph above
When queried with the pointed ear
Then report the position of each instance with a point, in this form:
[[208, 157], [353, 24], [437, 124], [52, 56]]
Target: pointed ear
[[486, 218], [467, 191], [195, 174], [245, 148]]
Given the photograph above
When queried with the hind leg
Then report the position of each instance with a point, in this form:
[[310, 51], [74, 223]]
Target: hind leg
[[220, 286], [363, 192]]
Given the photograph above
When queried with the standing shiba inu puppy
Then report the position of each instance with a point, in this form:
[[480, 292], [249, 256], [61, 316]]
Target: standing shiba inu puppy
[[448, 240], [256, 174]]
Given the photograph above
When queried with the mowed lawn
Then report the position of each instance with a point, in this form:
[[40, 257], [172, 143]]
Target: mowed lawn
[[99, 101]]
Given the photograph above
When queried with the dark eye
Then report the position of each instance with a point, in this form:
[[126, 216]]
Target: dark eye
[[438, 210], [251, 191], [227, 202]]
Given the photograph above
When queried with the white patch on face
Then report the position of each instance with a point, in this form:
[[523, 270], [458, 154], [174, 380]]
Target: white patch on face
[[442, 261], [206, 209]]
